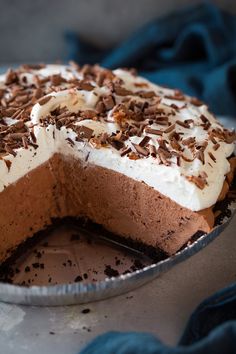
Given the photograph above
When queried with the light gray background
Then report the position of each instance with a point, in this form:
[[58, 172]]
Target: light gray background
[[33, 30]]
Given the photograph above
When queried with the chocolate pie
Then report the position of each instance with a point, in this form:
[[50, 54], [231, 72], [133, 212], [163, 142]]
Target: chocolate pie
[[146, 163]]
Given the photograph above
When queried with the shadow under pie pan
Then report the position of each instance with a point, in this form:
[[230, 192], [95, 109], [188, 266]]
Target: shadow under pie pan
[[72, 264]]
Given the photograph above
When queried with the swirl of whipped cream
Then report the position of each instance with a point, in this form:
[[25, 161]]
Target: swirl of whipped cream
[[170, 180]]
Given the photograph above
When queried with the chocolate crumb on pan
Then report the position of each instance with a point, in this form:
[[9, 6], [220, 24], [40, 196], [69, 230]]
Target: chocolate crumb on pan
[[110, 272], [78, 279], [86, 310]]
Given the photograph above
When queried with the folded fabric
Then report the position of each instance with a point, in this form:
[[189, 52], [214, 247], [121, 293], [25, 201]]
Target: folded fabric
[[210, 330], [193, 49]]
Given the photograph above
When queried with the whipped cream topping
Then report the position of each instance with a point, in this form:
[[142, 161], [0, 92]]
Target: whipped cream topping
[[167, 140]]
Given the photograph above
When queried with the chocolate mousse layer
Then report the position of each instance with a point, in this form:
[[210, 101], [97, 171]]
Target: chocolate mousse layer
[[28, 205], [129, 208], [65, 187]]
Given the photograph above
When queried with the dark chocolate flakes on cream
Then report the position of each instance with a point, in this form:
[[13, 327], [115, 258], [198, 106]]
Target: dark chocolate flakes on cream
[[142, 115]]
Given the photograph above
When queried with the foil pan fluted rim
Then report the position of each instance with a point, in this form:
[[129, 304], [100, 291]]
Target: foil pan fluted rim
[[78, 293]]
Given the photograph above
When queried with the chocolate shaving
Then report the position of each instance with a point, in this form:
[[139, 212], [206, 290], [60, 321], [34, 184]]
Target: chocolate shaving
[[118, 135], [10, 150], [86, 86], [140, 84], [183, 124], [56, 80], [162, 120], [204, 118], [11, 77], [169, 129], [21, 99], [175, 135], [88, 114], [189, 121], [185, 158], [24, 142], [84, 132], [29, 67], [200, 181], [162, 143], [121, 91], [33, 137], [117, 144], [202, 145], [125, 151], [203, 174], [189, 141], [100, 107], [100, 78], [216, 146], [178, 161], [153, 131], [133, 131], [103, 138], [178, 96], [174, 106], [16, 136], [2, 92], [141, 150], [99, 142], [153, 110], [164, 156], [216, 133], [175, 145], [121, 114], [109, 102], [18, 113], [70, 141], [86, 69], [8, 164], [206, 123], [200, 156], [196, 102], [152, 150], [133, 156], [212, 139], [144, 141], [146, 94], [212, 156], [42, 101]]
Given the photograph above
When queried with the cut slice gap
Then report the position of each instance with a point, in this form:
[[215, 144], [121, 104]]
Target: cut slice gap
[[67, 253]]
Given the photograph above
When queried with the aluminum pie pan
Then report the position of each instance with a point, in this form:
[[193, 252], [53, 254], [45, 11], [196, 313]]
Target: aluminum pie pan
[[79, 293]]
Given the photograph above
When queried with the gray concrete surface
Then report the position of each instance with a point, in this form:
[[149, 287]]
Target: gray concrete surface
[[161, 307], [33, 30]]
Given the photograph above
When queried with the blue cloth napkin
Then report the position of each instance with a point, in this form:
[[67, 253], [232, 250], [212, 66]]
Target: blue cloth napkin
[[211, 330], [193, 50]]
